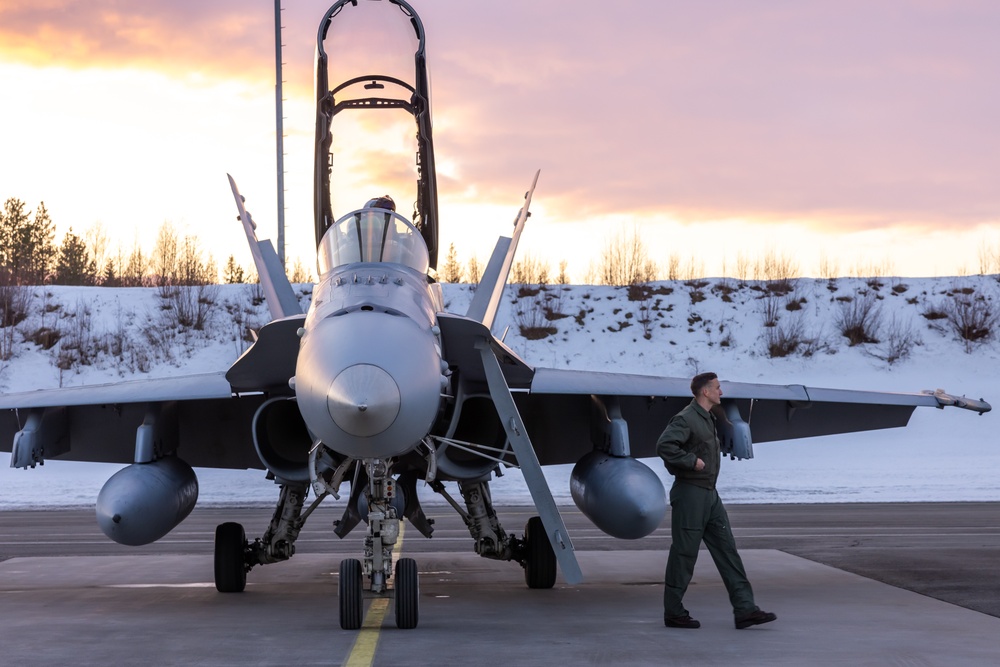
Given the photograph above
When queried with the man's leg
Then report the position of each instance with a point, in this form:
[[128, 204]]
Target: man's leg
[[722, 546], [686, 527]]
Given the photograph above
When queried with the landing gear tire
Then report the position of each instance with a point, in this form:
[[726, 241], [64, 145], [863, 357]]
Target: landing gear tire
[[540, 560], [230, 558], [407, 588], [350, 591]]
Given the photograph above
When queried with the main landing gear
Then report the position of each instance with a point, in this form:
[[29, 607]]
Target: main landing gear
[[235, 556], [534, 551]]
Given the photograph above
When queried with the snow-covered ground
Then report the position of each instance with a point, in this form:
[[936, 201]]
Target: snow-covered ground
[[943, 455]]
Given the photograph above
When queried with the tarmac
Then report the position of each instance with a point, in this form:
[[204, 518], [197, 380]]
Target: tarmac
[[160, 607]]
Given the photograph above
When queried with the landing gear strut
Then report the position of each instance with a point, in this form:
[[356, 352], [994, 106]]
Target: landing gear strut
[[534, 552], [383, 533]]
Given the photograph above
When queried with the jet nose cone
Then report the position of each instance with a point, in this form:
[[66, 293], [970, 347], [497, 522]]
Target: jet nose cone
[[363, 400]]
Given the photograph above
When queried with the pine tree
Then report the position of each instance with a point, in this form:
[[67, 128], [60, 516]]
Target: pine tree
[[12, 218], [41, 249], [474, 271], [452, 270], [299, 273], [563, 277], [234, 272], [26, 243], [135, 270], [165, 255], [73, 266]]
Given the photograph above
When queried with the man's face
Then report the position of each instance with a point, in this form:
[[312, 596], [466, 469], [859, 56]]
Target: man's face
[[713, 392]]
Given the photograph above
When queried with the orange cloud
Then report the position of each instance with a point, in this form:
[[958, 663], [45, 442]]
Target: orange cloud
[[695, 111], [169, 37]]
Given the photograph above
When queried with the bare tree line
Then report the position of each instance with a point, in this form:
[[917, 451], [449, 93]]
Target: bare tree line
[[29, 255]]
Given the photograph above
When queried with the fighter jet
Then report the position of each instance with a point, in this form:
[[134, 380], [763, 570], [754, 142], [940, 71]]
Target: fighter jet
[[377, 388]]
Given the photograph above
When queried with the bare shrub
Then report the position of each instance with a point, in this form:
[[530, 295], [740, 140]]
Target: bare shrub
[[898, 339], [165, 255], [530, 316], [989, 258], [553, 304], [972, 318], [860, 320], [625, 261], [778, 271], [530, 270], [78, 346], [98, 245], [244, 319], [193, 306], [937, 312], [784, 339], [135, 269], [674, 266], [645, 311], [829, 269], [15, 301], [770, 310], [742, 267], [694, 270], [256, 292], [795, 303], [44, 337], [726, 289], [159, 343]]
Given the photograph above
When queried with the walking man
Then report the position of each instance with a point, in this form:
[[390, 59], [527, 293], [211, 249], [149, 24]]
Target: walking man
[[689, 447]]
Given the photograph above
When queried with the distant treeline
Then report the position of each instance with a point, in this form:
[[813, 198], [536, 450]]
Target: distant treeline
[[29, 256]]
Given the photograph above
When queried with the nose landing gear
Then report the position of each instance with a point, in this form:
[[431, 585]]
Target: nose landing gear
[[383, 533]]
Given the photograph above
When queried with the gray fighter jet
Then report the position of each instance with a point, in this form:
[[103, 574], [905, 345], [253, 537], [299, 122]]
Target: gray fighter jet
[[377, 386]]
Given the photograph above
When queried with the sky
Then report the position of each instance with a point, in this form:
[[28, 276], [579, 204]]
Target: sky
[[850, 134]]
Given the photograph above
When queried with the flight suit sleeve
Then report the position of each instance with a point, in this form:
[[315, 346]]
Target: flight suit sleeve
[[669, 447]]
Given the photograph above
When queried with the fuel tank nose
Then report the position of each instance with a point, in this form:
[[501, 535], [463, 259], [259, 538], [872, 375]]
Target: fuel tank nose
[[363, 400]]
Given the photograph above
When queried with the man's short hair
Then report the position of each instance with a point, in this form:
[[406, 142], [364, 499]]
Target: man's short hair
[[700, 381]]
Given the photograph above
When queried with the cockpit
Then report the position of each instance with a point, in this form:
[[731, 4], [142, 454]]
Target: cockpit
[[373, 235]]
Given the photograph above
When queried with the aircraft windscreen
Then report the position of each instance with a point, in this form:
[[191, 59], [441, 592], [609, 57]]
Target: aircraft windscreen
[[373, 235]]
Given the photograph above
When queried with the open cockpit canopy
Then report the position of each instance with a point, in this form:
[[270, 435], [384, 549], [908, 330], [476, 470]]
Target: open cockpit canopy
[[374, 151]]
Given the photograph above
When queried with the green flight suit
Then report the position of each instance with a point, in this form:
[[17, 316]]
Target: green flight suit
[[697, 513]]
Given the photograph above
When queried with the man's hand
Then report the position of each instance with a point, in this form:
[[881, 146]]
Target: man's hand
[[699, 465]]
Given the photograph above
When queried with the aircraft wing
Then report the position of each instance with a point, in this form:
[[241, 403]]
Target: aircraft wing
[[196, 413], [557, 403]]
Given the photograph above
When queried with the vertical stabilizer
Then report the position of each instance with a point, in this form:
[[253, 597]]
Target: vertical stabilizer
[[281, 300], [487, 299]]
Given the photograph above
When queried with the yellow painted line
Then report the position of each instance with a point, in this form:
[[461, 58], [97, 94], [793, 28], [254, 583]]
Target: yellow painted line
[[363, 652]]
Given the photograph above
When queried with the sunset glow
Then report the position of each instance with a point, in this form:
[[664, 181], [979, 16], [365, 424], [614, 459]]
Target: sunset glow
[[853, 133]]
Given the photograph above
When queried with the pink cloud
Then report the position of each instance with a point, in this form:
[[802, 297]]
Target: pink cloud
[[866, 113]]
